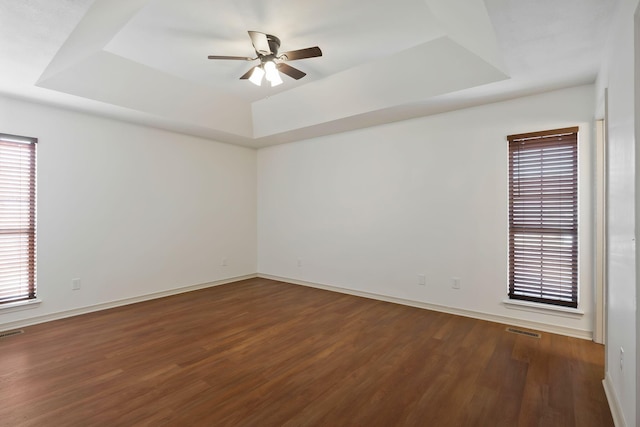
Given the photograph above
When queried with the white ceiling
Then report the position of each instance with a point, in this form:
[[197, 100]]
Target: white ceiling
[[146, 60]]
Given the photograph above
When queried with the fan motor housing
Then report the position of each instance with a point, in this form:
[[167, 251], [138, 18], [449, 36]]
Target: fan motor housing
[[274, 44]]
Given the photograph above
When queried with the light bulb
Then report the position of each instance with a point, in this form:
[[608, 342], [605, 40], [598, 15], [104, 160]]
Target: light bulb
[[256, 76], [273, 76], [276, 80]]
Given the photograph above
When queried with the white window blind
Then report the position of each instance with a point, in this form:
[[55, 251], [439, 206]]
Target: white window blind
[[17, 218]]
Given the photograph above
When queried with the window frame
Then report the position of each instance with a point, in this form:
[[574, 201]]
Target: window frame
[[547, 234], [18, 168]]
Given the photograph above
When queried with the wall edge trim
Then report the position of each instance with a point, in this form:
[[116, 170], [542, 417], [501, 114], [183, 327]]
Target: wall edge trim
[[539, 326], [118, 303], [614, 403]]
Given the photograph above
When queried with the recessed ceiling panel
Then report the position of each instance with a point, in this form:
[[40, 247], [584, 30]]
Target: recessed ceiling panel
[[116, 80], [176, 37], [433, 68]]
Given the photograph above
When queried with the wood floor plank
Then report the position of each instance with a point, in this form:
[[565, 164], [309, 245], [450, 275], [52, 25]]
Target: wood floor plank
[[265, 353]]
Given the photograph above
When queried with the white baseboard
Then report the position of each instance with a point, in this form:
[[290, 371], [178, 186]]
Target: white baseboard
[[105, 306], [614, 403], [435, 307], [538, 326]]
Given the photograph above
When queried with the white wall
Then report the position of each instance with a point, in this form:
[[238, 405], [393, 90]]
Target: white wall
[[369, 210], [618, 76], [131, 210]]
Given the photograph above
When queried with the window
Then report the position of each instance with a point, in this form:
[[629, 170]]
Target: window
[[543, 217], [17, 218]]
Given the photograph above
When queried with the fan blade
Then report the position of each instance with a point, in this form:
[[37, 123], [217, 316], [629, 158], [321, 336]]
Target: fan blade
[[310, 52], [290, 71], [246, 75], [260, 42], [241, 58]]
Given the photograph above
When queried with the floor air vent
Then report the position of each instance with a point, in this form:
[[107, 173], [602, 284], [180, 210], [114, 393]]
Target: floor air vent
[[7, 334], [521, 332]]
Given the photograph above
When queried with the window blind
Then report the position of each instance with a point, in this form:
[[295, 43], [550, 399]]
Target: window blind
[[543, 217], [17, 218]]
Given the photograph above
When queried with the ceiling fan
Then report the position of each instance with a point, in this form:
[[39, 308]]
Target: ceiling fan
[[266, 47]]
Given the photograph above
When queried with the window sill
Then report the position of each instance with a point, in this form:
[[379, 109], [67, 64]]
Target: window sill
[[543, 308], [19, 305]]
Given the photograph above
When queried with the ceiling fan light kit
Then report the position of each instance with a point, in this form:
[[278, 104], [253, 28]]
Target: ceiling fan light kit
[[266, 47], [272, 74]]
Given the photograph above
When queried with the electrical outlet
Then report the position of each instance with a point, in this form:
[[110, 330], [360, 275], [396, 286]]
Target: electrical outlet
[[224, 262], [299, 262], [422, 280], [455, 282], [621, 358], [75, 284]]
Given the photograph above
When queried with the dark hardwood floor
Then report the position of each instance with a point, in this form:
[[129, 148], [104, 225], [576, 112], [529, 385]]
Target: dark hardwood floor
[[266, 353]]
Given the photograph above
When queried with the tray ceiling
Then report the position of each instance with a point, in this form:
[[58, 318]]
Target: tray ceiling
[[146, 60]]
